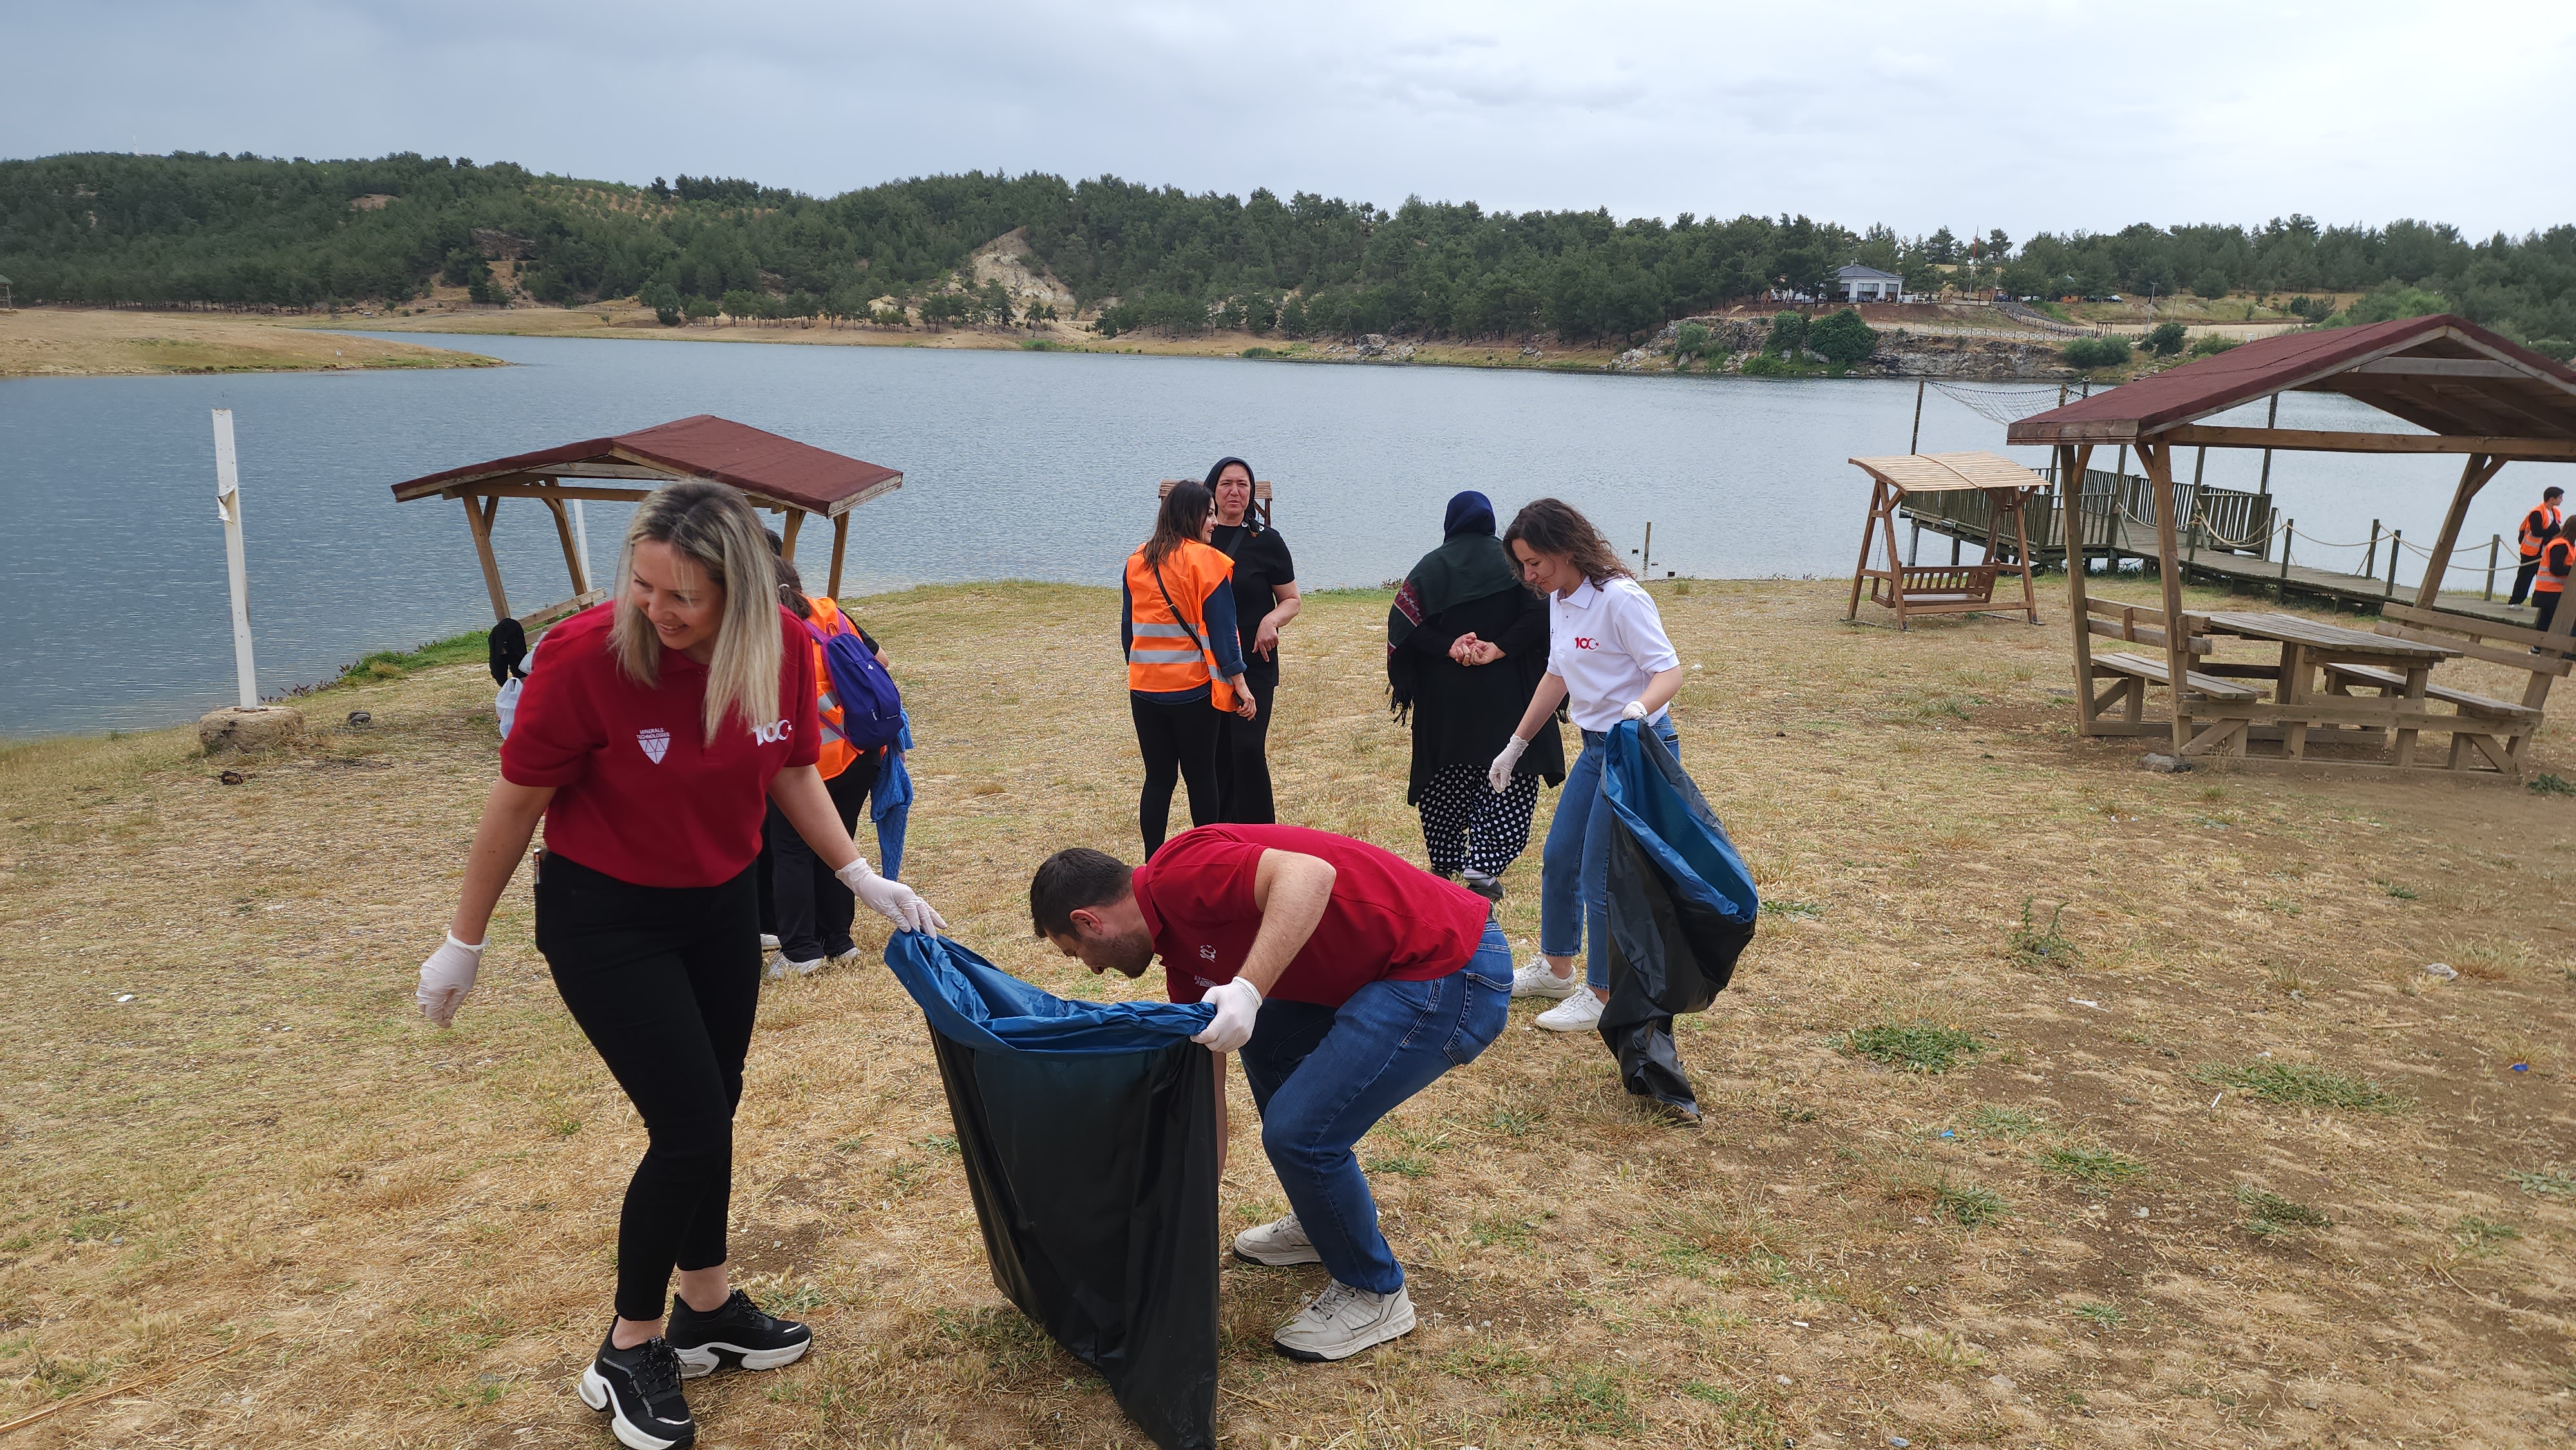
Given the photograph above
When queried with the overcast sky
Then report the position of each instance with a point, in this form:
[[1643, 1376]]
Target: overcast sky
[[2015, 114]]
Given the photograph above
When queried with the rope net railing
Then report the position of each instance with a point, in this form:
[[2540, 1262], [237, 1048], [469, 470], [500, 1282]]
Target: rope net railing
[[2000, 404]]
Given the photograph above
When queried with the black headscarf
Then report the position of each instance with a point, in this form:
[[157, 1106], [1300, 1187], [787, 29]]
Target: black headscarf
[[1470, 564]]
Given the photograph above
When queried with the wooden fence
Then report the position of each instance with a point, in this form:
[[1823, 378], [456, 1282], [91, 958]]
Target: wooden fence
[[2119, 518]]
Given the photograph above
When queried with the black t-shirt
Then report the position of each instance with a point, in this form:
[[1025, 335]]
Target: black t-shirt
[[1261, 563]]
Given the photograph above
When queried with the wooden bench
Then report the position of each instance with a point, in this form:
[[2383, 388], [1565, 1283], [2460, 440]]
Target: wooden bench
[[2501, 747], [1952, 584], [2131, 674]]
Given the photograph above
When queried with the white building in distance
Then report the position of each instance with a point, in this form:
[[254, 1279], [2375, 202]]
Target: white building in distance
[[1857, 283]]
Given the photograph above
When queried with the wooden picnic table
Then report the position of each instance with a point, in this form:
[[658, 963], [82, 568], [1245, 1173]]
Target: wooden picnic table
[[2308, 647]]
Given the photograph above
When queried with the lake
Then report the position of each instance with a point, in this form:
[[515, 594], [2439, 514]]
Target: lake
[[1017, 465]]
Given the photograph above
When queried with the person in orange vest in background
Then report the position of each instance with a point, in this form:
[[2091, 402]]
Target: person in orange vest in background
[[2557, 560], [810, 910], [2538, 526], [1177, 628]]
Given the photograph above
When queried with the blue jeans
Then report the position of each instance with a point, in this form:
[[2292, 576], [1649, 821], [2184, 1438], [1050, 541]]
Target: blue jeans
[[1323, 1076], [1574, 866]]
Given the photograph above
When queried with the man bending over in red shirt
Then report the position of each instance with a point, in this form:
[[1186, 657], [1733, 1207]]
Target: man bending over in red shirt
[[1348, 978]]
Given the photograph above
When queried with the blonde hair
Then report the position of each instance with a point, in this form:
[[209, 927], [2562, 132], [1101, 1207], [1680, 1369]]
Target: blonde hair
[[717, 531]]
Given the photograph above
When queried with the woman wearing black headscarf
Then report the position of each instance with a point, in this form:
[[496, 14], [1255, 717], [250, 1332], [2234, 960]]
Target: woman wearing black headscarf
[[1466, 644]]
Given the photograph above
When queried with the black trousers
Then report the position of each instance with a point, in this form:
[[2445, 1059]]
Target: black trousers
[[811, 910], [665, 982], [2547, 603], [2522, 578], [1243, 762], [1178, 740]]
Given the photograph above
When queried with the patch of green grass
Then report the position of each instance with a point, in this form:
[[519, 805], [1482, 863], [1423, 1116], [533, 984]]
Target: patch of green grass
[[1796, 1113], [2553, 1179], [394, 664], [2005, 1122], [1039, 344], [2091, 1166], [1586, 1402], [1487, 1363], [2269, 1214], [2033, 945], [1968, 1204], [1739, 1410], [2550, 785], [2402, 893], [1406, 1165], [1517, 1122], [1259, 352], [1792, 910], [941, 1143], [1924, 1047], [2108, 1316], [2306, 1085], [2479, 1238], [1503, 1229]]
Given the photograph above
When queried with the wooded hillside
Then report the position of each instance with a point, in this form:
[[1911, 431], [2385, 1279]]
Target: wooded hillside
[[252, 231]]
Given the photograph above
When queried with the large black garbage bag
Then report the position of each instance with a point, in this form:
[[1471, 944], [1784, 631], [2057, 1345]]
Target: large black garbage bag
[[1682, 908], [1088, 1132]]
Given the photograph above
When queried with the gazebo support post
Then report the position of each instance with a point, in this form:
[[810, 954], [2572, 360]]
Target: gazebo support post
[[574, 564], [787, 534], [840, 547], [2071, 459], [478, 520], [2021, 532], [2473, 476], [2158, 459], [1869, 533]]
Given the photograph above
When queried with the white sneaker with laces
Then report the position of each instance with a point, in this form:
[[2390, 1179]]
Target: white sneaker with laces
[[1278, 1243], [1342, 1321], [844, 961], [1537, 980], [1578, 1013]]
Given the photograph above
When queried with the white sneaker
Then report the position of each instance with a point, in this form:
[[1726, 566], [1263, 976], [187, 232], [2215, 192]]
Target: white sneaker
[[844, 961], [1538, 980], [768, 943], [780, 966], [1578, 1013], [1342, 1321], [1278, 1243]]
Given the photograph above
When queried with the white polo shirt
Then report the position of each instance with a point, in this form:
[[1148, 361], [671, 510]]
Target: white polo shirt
[[1607, 644]]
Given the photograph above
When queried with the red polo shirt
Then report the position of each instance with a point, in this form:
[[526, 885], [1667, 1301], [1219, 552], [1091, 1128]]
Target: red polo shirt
[[1388, 918], [640, 793]]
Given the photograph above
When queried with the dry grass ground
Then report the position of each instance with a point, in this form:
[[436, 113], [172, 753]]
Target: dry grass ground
[[2055, 1104], [79, 342]]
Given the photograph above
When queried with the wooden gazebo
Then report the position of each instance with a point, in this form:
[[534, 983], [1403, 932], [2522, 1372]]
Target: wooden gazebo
[[1944, 588], [777, 474], [2476, 396]]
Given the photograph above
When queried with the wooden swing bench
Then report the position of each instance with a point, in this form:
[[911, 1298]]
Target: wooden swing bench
[[1911, 589]]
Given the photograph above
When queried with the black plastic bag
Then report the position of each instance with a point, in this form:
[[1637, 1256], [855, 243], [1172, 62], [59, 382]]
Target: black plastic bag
[[1088, 1133], [1682, 909]]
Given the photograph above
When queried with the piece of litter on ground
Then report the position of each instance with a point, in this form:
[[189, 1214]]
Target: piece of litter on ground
[[1784, 1379], [1948, 1133], [1802, 1324], [2137, 1213], [128, 997], [2085, 1002], [2522, 1067], [1899, 1441], [2213, 1102], [2441, 971]]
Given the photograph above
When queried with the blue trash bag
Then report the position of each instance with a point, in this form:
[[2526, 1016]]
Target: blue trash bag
[[1088, 1134], [1682, 909]]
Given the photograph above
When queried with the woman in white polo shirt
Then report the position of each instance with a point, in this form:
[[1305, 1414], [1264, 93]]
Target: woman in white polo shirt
[[1607, 661]]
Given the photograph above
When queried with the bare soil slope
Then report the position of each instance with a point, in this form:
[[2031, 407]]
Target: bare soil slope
[[75, 342], [2207, 1158]]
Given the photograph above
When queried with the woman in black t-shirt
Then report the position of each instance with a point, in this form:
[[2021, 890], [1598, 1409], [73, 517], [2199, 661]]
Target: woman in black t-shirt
[[1265, 599]]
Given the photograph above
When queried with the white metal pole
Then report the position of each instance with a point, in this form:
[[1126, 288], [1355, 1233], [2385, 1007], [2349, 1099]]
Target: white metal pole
[[228, 504], [581, 541]]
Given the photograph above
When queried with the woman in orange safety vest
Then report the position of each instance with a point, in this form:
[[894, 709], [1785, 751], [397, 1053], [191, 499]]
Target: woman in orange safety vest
[[2537, 528], [1177, 627], [2557, 561]]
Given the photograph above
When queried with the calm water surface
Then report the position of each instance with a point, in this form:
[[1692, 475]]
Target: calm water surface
[[1017, 466]]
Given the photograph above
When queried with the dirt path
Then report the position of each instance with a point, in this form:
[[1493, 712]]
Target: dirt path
[[2207, 1158]]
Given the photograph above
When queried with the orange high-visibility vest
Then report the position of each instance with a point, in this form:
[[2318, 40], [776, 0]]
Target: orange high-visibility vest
[[1163, 658], [837, 752], [2558, 561], [2534, 530]]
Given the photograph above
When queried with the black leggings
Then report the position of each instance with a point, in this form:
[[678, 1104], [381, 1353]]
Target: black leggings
[[1178, 739], [810, 909], [665, 982], [1243, 762]]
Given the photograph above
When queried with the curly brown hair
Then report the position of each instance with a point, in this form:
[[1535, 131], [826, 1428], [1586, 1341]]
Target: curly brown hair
[[1552, 526]]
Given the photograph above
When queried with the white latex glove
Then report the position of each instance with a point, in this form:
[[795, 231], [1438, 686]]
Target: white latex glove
[[1237, 1003], [1634, 710], [892, 900], [446, 977], [1500, 775]]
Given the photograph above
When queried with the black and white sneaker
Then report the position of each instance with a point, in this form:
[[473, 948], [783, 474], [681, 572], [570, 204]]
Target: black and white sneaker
[[639, 1390], [737, 1336]]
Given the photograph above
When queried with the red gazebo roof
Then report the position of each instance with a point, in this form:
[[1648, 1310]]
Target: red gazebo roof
[[719, 450]]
